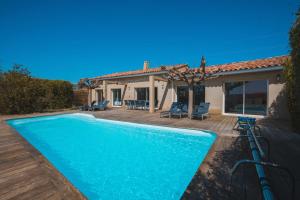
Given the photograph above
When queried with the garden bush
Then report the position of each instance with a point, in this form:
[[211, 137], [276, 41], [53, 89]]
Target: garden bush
[[20, 93]]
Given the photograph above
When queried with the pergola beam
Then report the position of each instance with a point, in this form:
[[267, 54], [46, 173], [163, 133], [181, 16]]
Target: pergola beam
[[157, 78]]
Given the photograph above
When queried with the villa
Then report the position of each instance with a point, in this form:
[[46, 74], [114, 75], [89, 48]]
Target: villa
[[120, 154], [252, 88]]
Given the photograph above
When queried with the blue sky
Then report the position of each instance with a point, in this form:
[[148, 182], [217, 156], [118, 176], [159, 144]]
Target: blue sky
[[59, 39]]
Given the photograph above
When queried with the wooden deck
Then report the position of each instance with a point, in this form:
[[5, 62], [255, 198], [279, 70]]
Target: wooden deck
[[26, 174]]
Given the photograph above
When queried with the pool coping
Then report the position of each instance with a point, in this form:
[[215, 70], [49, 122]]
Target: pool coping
[[48, 166]]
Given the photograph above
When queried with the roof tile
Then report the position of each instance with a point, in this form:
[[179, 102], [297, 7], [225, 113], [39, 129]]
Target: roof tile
[[213, 69], [246, 65], [136, 72]]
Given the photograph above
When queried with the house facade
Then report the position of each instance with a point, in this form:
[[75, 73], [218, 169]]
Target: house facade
[[250, 88]]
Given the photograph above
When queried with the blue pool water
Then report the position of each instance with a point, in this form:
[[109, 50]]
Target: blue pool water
[[108, 159]]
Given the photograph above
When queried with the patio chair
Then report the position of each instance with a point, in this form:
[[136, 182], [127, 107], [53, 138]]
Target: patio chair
[[201, 111], [243, 123], [129, 104], [139, 104], [175, 107], [101, 106], [147, 105], [133, 104]]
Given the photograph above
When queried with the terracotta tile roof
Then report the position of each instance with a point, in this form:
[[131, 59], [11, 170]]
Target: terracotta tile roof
[[137, 72], [236, 66], [246, 65]]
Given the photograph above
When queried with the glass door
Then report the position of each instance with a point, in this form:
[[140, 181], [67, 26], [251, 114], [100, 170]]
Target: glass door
[[143, 94], [247, 97], [183, 94], [116, 94], [256, 97], [234, 97]]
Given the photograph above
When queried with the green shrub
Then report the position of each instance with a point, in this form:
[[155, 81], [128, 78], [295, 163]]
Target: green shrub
[[292, 74], [21, 93]]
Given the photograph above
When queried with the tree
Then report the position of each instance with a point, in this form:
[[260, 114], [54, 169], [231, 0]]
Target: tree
[[90, 84], [190, 77], [292, 74]]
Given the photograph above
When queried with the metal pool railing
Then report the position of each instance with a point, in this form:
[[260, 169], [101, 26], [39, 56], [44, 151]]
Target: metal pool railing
[[260, 160]]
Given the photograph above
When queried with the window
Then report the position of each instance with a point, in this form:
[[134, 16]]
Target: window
[[183, 94], [143, 94], [249, 97], [117, 101]]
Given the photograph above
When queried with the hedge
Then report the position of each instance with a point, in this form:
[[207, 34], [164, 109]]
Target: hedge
[[20, 93], [292, 74]]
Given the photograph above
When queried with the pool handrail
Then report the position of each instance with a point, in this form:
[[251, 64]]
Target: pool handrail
[[258, 155], [258, 159]]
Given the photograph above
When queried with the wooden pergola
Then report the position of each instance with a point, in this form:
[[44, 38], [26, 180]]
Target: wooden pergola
[[190, 77]]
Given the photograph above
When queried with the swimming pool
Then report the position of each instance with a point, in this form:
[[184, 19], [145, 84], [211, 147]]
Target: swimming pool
[[108, 159]]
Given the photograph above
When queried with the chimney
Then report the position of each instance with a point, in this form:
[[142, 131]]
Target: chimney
[[202, 65], [146, 65]]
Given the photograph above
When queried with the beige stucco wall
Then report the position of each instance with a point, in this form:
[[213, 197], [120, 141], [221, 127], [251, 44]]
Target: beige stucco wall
[[213, 91], [163, 89], [277, 102], [214, 94]]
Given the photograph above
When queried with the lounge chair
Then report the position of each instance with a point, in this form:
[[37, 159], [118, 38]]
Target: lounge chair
[[175, 108], [101, 105], [201, 111], [182, 112], [86, 107]]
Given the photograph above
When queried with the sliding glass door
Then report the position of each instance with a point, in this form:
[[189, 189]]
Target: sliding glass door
[[116, 96], [143, 94], [183, 94], [234, 97], [247, 97], [256, 97]]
